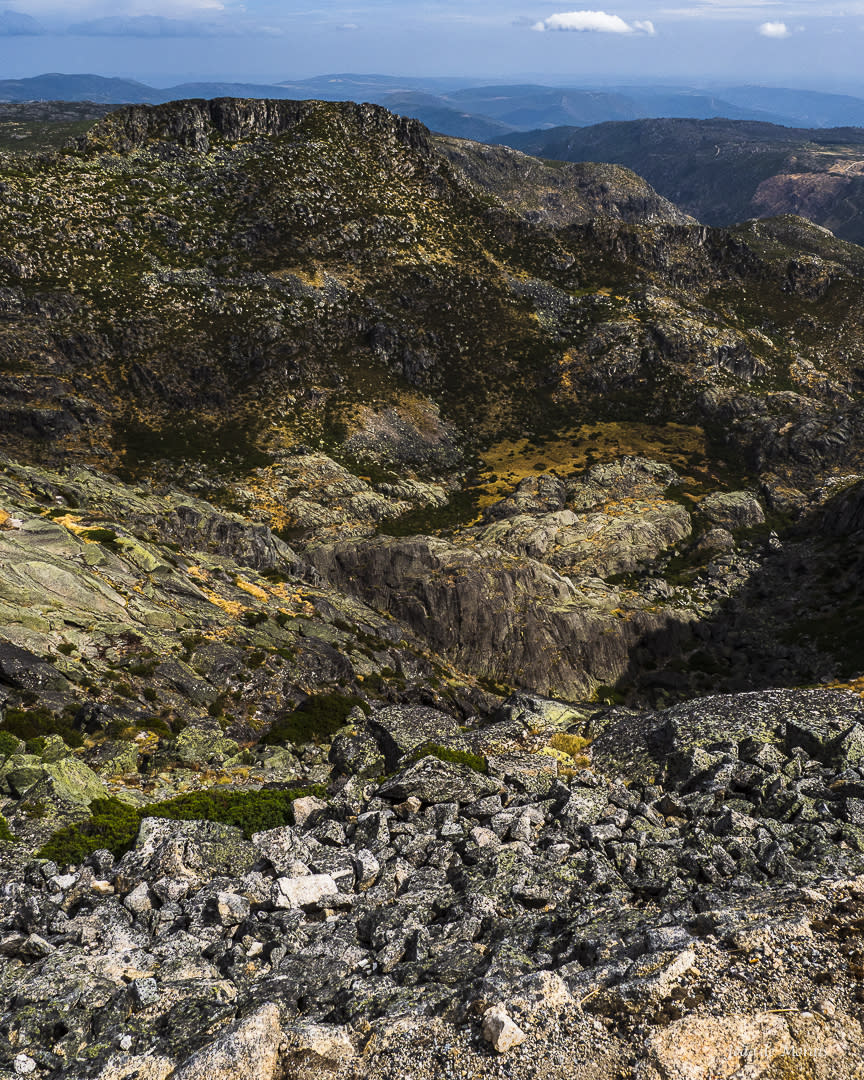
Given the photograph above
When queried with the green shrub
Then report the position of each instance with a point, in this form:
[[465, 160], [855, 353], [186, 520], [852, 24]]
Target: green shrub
[[66, 648], [143, 667], [253, 618], [251, 811], [317, 719], [114, 825], [38, 723], [5, 832], [190, 643], [455, 757], [155, 725], [8, 744], [609, 695]]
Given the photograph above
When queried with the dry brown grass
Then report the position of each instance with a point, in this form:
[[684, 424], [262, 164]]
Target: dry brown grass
[[512, 461]]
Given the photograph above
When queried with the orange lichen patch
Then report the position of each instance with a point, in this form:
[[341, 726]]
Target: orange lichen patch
[[70, 522], [294, 598], [198, 572], [4, 517], [855, 685], [230, 607], [568, 744], [314, 278], [265, 486], [252, 590]]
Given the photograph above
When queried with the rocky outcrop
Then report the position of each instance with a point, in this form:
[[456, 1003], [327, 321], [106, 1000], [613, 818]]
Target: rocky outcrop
[[512, 620], [559, 195], [193, 125]]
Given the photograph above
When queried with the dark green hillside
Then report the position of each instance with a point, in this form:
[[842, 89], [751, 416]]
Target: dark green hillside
[[724, 171], [251, 275]]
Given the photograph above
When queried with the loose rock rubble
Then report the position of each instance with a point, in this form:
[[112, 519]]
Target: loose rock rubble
[[690, 906]]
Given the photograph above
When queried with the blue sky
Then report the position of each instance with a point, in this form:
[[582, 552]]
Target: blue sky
[[800, 42]]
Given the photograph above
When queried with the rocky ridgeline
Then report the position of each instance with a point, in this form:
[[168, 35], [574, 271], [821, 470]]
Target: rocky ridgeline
[[689, 902], [193, 124]]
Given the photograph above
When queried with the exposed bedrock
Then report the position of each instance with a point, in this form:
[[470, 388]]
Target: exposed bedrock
[[512, 620]]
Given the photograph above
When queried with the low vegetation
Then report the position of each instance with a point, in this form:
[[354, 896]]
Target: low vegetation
[[39, 723], [113, 825], [456, 757], [317, 719]]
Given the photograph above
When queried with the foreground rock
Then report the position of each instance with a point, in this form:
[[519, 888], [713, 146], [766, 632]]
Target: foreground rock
[[685, 908]]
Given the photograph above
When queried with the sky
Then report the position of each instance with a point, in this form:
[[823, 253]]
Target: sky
[[804, 43]]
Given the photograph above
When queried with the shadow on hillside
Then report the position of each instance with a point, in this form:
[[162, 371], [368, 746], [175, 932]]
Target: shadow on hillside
[[798, 620]]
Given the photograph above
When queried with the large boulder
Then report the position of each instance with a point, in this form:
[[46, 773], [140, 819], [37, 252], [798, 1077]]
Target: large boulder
[[204, 744], [399, 729], [193, 850], [733, 509], [434, 781], [248, 1050], [67, 780]]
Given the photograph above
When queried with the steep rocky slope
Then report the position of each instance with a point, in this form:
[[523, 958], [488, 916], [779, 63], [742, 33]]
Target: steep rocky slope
[[374, 510], [558, 195], [725, 171]]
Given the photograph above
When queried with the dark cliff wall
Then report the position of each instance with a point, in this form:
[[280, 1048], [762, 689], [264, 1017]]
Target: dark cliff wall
[[193, 124]]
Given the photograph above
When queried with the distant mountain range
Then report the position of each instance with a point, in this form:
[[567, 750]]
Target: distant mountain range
[[467, 109]]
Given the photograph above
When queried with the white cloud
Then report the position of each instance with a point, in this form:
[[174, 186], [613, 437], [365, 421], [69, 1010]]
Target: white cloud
[[598, 22], [774, 30]]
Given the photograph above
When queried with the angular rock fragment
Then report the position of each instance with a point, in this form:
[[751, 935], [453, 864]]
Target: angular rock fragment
[[306, 891], [436, 781], [500, 1030], [249, 1050]]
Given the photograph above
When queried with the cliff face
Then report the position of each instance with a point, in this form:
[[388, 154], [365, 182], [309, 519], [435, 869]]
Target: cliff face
[[193, 124], [548, 633]]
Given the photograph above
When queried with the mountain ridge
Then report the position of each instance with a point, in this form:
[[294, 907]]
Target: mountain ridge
[[726, 171], [468, 108]]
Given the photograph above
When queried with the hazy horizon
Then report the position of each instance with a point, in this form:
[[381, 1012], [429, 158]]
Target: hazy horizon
[[812, 45]]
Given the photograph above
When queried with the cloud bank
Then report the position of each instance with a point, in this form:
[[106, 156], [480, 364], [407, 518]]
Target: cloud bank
[[98, 8], [597, 22], [147, 26], [14, 24]]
